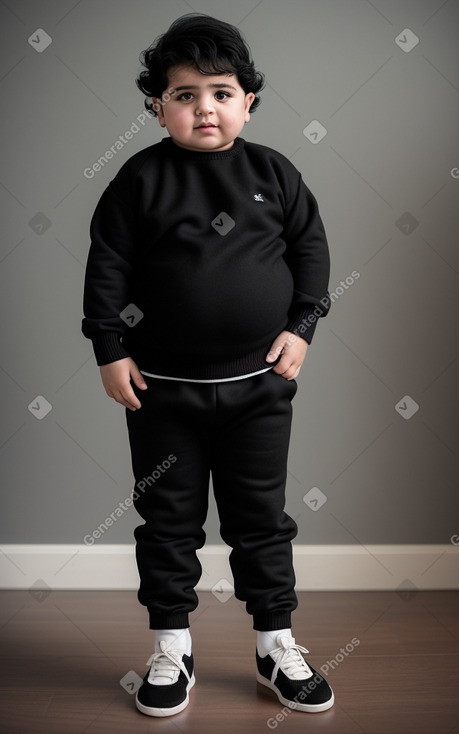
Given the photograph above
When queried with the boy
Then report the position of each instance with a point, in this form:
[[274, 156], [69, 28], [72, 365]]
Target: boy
[[220, 247]]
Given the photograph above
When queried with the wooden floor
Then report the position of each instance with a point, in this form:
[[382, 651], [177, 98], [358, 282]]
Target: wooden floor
[[63, 656]]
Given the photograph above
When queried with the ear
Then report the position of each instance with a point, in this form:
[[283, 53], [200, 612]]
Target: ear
[[158, 107], [249, 97]]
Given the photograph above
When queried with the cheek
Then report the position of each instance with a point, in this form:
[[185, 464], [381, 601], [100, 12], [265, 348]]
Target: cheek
[[229, 113], [177, 116], [236, 116]]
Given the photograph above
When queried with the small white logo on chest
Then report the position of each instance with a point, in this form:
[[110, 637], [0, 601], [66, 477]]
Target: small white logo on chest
[[258, 197]]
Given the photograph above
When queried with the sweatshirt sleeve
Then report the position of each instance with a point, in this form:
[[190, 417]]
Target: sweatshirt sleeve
[[108, 275], [308, 258]]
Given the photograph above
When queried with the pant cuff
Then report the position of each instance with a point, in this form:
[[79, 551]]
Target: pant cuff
[[272, 621], [180, 620]]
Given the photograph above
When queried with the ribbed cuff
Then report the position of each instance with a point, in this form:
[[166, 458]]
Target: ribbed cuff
[[177, 621], [108, 347], [303, 322], [272, 621]]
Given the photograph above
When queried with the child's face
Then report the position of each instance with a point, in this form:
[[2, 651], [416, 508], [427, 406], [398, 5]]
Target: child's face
[[203, 113]]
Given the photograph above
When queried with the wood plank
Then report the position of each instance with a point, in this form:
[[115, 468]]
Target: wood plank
[[62, 658]]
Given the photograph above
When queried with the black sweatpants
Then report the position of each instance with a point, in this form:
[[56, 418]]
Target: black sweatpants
[[239, 431]]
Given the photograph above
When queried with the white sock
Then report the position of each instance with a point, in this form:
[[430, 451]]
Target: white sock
[[266, 641], [177, 639]]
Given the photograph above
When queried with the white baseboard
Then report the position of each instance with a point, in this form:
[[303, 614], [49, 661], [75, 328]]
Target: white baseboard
[[317, 567]]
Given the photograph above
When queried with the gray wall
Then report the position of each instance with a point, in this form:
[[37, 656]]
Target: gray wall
[[386, 177]]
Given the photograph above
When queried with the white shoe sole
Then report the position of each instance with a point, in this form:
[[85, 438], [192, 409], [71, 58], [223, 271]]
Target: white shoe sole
[[294, 705], [150, 711]]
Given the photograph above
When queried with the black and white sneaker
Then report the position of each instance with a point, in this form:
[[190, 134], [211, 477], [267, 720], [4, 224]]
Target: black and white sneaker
[[165, 688], [296, 684]]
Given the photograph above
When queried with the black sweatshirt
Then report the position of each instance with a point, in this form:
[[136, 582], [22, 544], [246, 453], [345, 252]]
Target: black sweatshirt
[[198, 260]]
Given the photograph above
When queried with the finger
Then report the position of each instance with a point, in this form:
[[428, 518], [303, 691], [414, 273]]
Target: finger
[[131, 400], [138, 378], [282, 366], [287, 368], [127, 398], [295, 375], [276, 348]]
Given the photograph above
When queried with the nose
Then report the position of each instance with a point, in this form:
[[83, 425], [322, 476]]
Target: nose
[[204, 105]]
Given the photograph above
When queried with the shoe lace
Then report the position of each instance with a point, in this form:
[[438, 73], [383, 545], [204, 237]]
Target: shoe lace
[[166, 663], [289, 659]]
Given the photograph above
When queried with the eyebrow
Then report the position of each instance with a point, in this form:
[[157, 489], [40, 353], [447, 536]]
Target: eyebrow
[[214, 86]]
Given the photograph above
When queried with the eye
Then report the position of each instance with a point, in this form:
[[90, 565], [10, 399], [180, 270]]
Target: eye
[[185, 96], [221, 96]]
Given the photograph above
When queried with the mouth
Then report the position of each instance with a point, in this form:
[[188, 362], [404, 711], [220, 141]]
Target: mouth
[[204, 125]]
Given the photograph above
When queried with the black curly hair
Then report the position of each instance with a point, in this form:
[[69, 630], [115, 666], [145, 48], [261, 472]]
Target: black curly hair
[[212, 46]]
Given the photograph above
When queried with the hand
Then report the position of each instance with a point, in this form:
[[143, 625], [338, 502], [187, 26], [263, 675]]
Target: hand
[[116, 378], [293, 349]]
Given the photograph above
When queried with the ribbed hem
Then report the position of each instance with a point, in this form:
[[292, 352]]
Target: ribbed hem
[[180, 620], [197, 368], [108, 348], [272, 621]]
